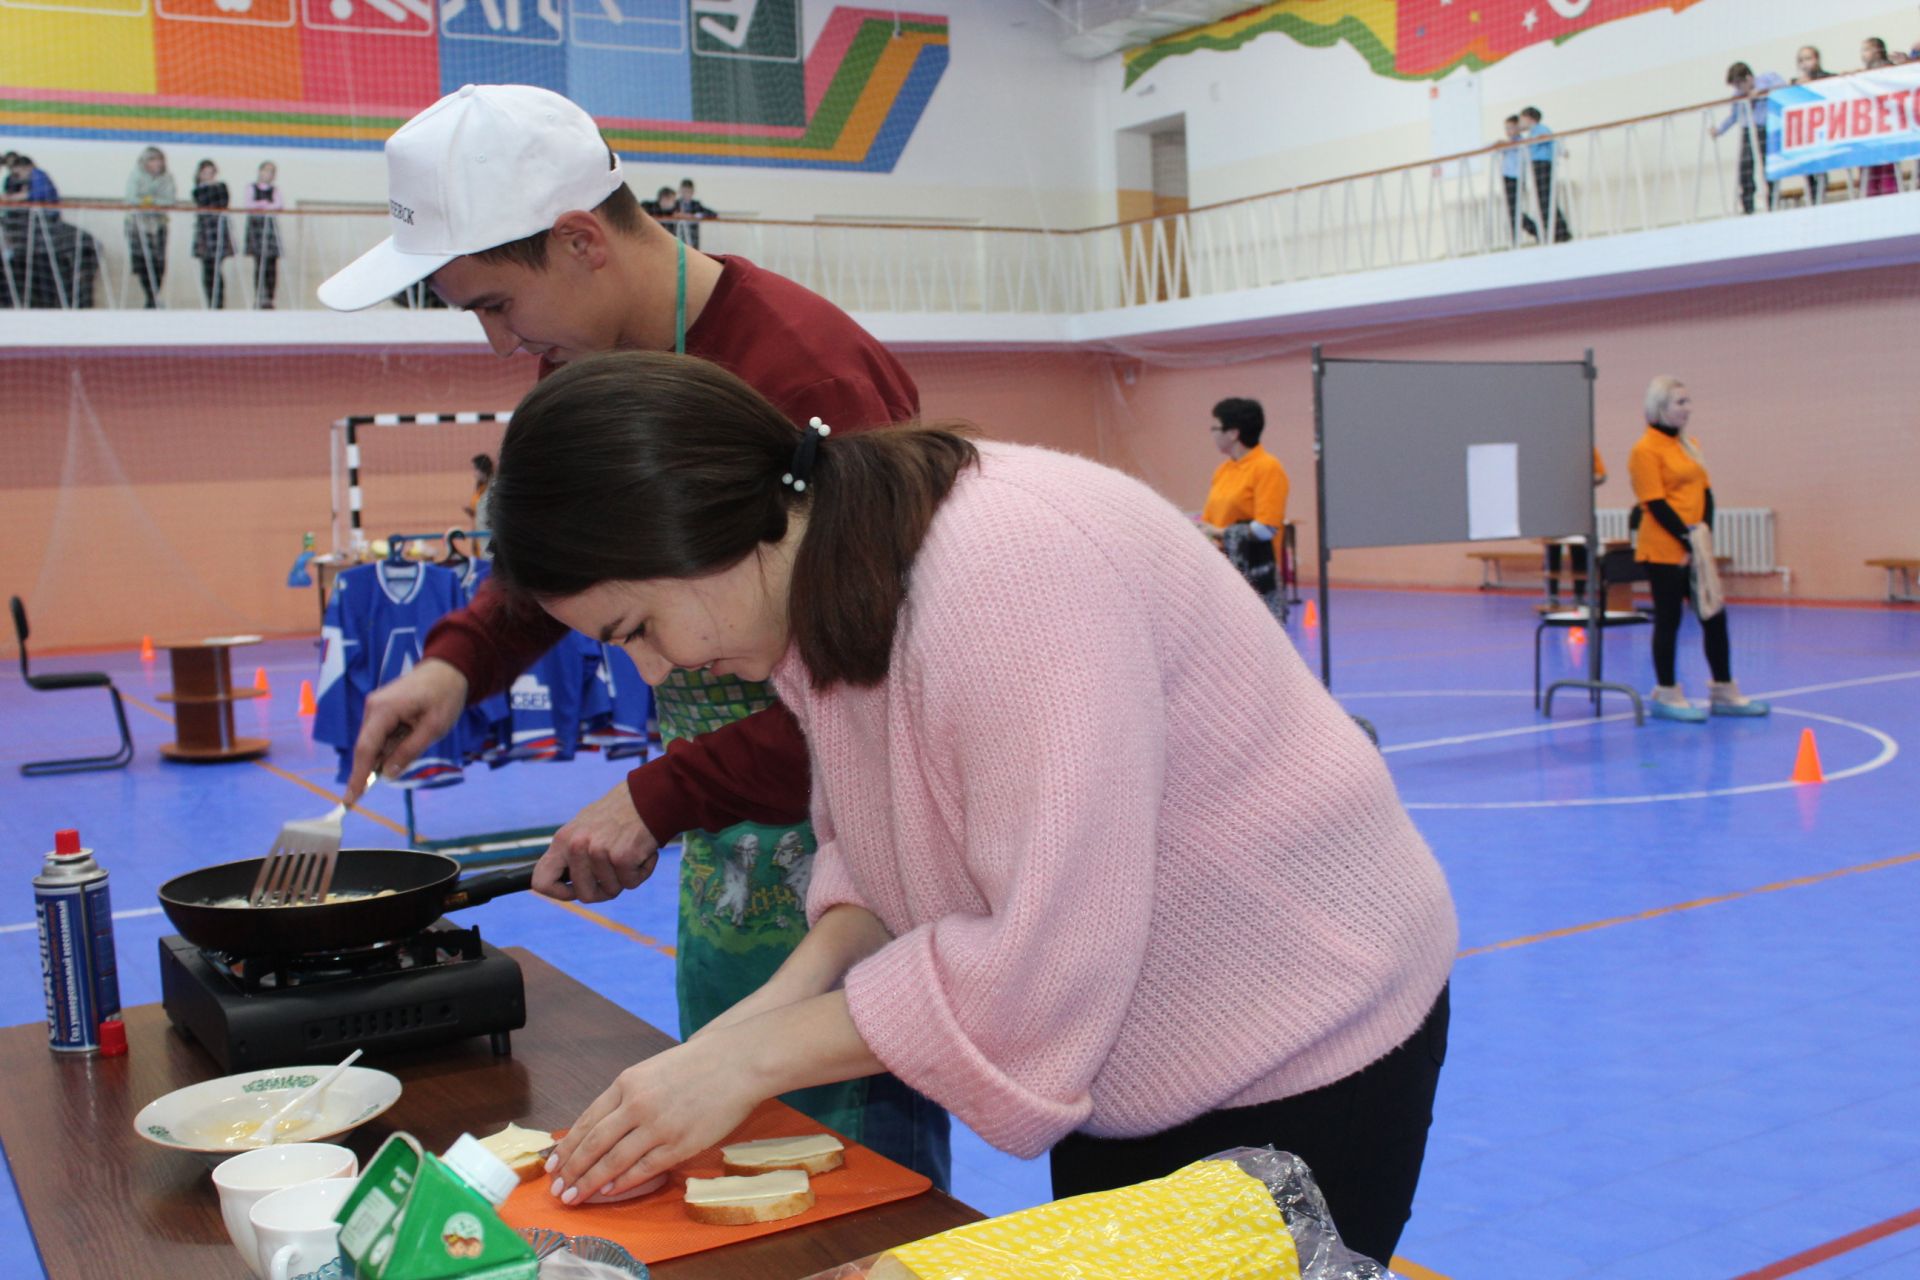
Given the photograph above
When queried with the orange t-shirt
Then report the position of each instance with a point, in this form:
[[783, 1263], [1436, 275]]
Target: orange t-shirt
[[1662, 467], [1253, 487]]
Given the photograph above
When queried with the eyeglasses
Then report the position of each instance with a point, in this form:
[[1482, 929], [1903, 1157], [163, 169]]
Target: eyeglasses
[[1217, 430]]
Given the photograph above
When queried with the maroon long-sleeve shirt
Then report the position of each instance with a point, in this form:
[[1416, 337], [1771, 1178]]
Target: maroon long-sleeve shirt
[[811, 360]]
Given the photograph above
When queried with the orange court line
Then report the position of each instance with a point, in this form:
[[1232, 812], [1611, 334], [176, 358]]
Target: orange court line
[[1414, 1271], [1834, 1248], [1798, 882], [607, 922]]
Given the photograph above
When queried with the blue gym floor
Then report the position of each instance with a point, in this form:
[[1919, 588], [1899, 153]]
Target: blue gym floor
[[1685, 1036]]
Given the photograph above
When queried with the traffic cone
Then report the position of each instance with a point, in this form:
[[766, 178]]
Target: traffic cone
[[260, 681], [1576, 635], [306, 698], [146, 648], [1311, 617], [1807, 767]]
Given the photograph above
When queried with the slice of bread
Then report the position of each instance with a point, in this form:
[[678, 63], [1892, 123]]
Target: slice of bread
[[524, 1151], [736, 1202], [815, 1154]]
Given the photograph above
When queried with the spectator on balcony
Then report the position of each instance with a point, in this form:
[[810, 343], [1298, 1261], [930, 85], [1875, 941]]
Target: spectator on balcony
[[1545, 156], [212, 238], [150, 191], [27, 184], [1246, 507], [1807, 61], [1511, 160], [689, 206], [1881, 179], [1748, 91], [263, 233], [662, 206]]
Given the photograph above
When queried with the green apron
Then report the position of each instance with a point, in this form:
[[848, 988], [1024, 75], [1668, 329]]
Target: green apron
[[743, 892]]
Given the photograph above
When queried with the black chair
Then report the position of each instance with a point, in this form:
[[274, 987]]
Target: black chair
[[1616, 566], [71, 680]]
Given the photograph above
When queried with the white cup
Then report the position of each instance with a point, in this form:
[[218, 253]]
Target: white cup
[[251, 1176], [295, 1227]]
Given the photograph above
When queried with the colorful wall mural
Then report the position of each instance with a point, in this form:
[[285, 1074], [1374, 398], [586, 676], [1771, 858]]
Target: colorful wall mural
[[1403, 39], [701, 81]]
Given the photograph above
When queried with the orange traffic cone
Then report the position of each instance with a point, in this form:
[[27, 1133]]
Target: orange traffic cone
[[306, 698], [1576, 635], [1311, 617], [260, 681], [146, 648], [1806, 768]]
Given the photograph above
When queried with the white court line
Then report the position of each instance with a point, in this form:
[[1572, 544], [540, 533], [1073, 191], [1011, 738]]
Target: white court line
[[1889, 748], [1554, 726], [118, 915]]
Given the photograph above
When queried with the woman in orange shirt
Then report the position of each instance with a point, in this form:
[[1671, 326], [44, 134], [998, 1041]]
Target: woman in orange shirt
[[1247, 504], [1675, 496]]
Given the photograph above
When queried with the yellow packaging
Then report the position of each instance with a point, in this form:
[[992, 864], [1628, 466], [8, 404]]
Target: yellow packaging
[[1208, 1221]]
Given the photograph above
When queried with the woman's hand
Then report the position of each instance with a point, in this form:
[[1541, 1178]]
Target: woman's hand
[[605, 850], [658, 1114]]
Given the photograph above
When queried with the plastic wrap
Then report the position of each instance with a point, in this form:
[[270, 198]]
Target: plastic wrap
[[1252, 1213]]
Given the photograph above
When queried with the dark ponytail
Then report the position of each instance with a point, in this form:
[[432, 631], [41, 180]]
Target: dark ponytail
[[643, 465]]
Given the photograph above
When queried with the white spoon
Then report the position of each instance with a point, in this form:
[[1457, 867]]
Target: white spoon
[[306, 1095]]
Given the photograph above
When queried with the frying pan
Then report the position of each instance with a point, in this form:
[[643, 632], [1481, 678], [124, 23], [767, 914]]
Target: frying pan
[[425, 885]]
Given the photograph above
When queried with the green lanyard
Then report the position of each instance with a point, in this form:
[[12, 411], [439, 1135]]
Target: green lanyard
[[680, 305]]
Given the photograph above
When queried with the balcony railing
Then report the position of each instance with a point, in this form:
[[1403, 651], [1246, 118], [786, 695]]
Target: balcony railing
[[1651, 172]]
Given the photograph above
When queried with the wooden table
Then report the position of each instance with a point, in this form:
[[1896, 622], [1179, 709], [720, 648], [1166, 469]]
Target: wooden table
[[203, 696], [102, 1201]]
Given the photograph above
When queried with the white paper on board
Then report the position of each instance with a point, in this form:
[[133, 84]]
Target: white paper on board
[[1493, 491]]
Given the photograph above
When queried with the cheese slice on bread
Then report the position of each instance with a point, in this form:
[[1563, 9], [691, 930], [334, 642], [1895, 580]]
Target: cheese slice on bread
[[524, 1151], [816, 1154], [736, 1202]]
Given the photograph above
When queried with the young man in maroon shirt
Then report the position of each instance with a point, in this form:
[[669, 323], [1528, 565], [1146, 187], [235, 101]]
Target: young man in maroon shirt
[[507, 202]]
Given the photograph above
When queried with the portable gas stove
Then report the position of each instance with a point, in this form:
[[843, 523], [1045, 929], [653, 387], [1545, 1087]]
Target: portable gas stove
[[440, 985]]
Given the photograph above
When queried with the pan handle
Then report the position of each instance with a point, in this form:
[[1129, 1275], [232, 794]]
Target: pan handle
[[487, 886]]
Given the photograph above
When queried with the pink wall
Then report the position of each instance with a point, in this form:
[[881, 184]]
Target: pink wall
[[165, 493]]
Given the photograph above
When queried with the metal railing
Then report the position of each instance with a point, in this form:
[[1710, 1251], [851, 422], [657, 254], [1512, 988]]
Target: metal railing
[[1643, 174]]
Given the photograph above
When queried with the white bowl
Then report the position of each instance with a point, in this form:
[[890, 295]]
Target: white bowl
[[220, 1117]]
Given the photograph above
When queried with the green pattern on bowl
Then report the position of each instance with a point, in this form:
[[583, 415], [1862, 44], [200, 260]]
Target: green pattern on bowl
[[270, 1084]]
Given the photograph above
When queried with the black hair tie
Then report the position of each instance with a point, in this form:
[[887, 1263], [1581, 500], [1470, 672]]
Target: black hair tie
[[803, 454]]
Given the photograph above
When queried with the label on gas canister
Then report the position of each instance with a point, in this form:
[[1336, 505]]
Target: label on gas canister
[[79, 973]]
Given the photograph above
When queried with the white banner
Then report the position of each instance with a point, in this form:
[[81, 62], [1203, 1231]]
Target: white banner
[[1844, 122]]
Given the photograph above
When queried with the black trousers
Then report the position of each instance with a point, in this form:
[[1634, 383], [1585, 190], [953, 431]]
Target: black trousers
[[213, 285], [148, 249], [1672, 586], [1750, 164], [1543, 187], [1579, 560], [1516, 216], [266, 275], [1364, 1137]]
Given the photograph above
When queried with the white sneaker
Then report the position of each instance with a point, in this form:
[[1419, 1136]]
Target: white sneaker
[[1727, 700], [1670, 703]]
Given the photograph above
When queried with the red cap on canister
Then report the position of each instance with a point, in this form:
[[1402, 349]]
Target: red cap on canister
[[113, 1038], [66, 843]]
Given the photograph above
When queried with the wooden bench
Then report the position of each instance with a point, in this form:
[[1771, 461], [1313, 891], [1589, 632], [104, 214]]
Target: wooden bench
[[1493, 565], [1900, 571]]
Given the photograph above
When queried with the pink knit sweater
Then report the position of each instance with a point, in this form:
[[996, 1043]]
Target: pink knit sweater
[[1137, 863]]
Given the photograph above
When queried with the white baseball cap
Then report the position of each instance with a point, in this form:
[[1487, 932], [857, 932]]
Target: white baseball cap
[[482, 167]]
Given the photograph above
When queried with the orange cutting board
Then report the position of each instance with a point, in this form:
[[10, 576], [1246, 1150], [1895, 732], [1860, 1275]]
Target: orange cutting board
[[656, 1227]]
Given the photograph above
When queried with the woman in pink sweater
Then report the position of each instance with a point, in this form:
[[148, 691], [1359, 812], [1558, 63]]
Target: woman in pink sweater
[[1102, 868]]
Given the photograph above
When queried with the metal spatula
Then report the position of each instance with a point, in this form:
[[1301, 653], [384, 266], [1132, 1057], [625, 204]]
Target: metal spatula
[[298, 870]]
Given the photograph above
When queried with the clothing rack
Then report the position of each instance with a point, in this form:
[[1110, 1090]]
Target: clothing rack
[[484, 847]]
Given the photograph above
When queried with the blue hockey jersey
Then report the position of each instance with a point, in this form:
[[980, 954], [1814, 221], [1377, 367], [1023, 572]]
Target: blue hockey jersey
[[375, 625], [624, 728]]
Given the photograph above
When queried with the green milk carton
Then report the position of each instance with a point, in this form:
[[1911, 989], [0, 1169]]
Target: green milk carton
[[413, 1216]]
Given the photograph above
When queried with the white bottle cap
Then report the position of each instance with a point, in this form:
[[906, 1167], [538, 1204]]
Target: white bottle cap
[[482, 1170]]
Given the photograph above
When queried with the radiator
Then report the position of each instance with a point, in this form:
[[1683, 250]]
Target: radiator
[[1745, 534]]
